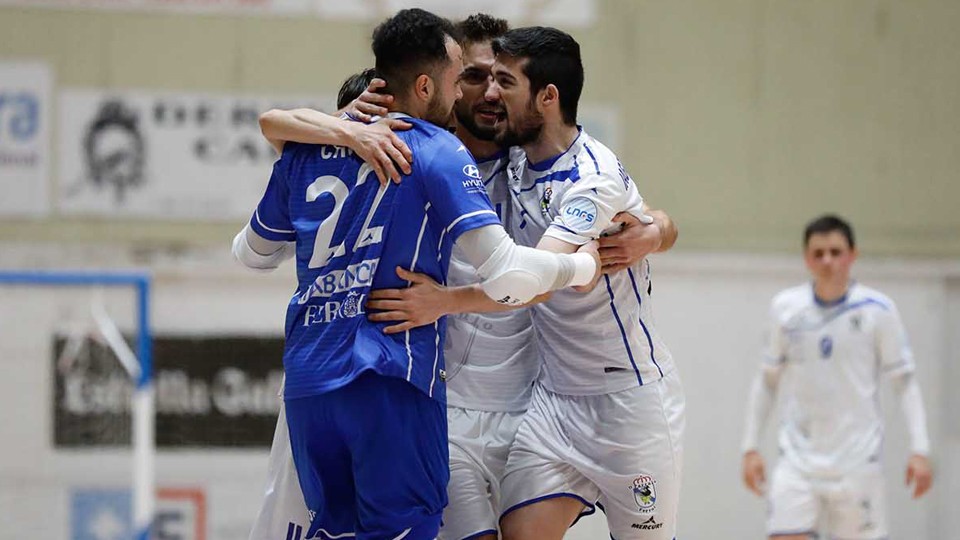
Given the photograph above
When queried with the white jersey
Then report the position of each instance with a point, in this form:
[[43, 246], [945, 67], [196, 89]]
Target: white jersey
[[832, 357], [491, 357], [602, 341]]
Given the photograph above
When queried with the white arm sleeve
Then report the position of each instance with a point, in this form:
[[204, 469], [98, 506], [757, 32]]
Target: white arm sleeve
[[760, 401], [258, 253], [911, 403], [513, 274]]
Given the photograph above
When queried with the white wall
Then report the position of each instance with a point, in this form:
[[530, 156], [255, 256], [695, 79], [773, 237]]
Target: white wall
[[710, 308]]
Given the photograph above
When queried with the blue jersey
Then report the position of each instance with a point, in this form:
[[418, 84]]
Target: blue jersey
[[351, 234]]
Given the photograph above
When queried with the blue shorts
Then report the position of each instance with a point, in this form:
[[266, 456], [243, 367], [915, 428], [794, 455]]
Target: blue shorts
[[372, 459]]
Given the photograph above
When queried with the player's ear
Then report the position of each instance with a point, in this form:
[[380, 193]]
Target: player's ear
[[423, 87], [549, 96]]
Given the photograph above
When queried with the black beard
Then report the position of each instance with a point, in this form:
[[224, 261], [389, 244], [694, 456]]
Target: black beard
[[481, 133], [436, 114], [528, 132]]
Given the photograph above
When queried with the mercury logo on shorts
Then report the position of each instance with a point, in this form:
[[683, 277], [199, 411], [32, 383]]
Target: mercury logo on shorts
[[645, 492]]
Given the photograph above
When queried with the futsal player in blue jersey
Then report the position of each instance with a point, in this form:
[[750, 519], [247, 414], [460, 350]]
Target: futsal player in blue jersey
[[365, 409]]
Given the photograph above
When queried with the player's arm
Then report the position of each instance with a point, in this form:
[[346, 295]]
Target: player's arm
[[760, 402], [376, 143], [512, 276], [269, 237], [258, 253], [896, 360], [650, 231]]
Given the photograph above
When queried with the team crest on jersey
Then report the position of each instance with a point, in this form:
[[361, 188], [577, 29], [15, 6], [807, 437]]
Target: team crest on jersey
[[351, 305], [826, 347], [545, 200], [645, 492]]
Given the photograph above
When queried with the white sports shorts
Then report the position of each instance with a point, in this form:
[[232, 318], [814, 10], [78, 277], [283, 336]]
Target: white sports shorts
[[619, 451], [852, 507], [283, 515], [479, 444]]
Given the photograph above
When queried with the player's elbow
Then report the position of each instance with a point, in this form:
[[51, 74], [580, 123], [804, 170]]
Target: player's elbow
[[513, 287], [268, 120]]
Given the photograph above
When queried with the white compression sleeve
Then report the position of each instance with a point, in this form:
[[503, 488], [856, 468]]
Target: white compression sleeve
[[763, 393], [258, 253], [515, 274], [911, 403]]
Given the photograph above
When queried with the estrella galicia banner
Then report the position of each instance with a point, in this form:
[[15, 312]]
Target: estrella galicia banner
[[216, 391], [164, 155], [24, 138]]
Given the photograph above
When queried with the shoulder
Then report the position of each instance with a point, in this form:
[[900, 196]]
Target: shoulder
[[595, 160], [861, 294], [790, 300]]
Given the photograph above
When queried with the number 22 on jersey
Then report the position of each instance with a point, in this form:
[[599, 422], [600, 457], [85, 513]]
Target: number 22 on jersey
[[325, 248]]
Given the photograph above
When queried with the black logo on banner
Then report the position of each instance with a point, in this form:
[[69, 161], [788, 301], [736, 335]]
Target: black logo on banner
[[210, 391], [114, 150]]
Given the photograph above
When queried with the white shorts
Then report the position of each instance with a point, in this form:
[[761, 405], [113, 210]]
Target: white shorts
[[621, 451], [479, 444], [283, 515], [852, 507]]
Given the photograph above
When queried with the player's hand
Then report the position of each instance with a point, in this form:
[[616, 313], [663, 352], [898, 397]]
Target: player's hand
[[593, 248], [753, 473], [378, 145], [419, 304], [370, 104], [920, 474], [635, 240]]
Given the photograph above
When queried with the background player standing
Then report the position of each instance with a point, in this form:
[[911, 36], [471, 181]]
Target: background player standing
[[828, 344]]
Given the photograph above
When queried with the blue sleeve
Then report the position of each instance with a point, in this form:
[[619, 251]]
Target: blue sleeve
[[454, 188], [271, 219]]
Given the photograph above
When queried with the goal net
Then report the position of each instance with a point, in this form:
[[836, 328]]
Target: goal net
[[78, 417]]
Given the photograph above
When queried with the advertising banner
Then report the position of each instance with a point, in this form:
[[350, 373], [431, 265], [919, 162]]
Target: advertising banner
[[172, 156], [25, 108]]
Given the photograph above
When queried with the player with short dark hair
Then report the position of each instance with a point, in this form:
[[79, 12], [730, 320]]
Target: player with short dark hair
[[828, 345], [365, 409]]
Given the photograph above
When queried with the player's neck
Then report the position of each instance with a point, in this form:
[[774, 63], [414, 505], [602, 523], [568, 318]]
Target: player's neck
[[830, 291], [553, 140], [404, 106], [480, 149]]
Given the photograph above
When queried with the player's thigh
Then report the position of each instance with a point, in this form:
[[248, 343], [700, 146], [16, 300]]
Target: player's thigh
[[638, 463], [283, 513], [322, 459], [793, 505], [546, 519], [398, 441], [858, 509], [542, 465], [479, 446]]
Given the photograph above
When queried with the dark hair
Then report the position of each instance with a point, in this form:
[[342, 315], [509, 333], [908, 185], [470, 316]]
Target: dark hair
[[481, 27], [410, 43], [554, 58], [826, 224], [355, 85]]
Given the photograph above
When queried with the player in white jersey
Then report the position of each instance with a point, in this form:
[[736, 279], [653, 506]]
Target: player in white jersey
[[606, 420], [829, 343]]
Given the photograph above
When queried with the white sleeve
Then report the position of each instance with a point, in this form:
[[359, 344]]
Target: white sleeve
[[587, 208], [763, 391], [512, 274], [258, 253], [911, 403], [760, 401], [893, 347]]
